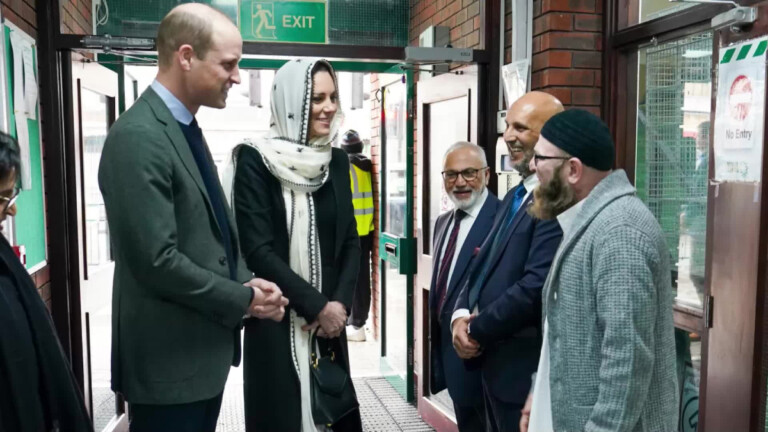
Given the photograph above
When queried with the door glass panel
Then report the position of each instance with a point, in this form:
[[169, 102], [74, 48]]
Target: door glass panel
[[672, 171], [395, 361], [688, 377], [96, 290], [395, 115], [448, 123]]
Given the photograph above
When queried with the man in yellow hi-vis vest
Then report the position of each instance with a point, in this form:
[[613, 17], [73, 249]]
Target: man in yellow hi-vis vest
[[360, 173]]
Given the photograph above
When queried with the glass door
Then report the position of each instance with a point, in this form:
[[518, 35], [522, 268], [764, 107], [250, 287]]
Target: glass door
[[95, 90], [397, 244]]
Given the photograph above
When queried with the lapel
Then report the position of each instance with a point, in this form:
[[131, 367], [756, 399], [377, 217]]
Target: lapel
[[441, 226], [519, 216], [174, 133], [479, 231]]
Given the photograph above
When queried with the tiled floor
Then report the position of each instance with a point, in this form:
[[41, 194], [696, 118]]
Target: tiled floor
[[381, 407]]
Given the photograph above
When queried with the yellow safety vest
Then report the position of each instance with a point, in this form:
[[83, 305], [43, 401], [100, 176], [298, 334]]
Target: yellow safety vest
[[362, 199]]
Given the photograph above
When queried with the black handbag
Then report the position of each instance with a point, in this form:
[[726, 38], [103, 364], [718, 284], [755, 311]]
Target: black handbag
[[333, 395]]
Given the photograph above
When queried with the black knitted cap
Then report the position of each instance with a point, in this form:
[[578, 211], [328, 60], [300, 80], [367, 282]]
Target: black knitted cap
[[582, 135]]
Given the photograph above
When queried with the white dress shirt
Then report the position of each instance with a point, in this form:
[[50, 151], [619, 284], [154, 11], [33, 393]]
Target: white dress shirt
[[531, 183], [466, 225], [541, 410]]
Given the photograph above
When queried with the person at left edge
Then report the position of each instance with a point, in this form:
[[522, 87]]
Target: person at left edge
[[458, 234], [38, 391], [180, 287]]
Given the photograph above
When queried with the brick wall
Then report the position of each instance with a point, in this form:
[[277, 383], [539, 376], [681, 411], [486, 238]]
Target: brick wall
[[76, 17], [462, 16], [22, 14], [567, 51], [376, 159]]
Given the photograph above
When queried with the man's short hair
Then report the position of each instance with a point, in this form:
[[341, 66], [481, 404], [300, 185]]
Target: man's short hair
[[183, 27], [479, 151], [10, 161]]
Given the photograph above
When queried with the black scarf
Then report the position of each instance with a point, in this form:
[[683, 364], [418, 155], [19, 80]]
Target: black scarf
[[59, 394]]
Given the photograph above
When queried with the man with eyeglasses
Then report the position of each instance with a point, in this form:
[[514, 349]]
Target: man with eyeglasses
[[497, 320], [457, 234], [608, 357], [38, 391]]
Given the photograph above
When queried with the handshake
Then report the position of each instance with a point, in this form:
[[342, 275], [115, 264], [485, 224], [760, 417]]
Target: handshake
[[268, 301]]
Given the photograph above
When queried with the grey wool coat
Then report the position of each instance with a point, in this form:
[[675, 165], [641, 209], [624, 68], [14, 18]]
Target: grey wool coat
[[608, 301]]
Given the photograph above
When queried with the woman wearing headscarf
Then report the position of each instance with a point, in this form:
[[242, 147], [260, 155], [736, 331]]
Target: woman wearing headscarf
[[38, 391], [293, 207]]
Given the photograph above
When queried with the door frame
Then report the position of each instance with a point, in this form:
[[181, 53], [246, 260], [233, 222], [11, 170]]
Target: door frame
[[99, 79], [435, 89]]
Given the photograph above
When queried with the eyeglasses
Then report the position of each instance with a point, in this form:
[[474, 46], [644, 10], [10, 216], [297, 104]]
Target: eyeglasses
[[538, 158], [468, 174], [9, 201]]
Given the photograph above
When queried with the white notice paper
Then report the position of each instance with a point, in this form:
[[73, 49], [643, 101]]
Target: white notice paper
[[30, 82], [19, 108], [739, 118]]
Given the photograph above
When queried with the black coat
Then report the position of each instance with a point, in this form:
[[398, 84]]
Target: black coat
[[37, 388], [272, 388]]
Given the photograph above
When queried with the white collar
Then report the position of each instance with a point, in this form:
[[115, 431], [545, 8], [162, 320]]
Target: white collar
[[566, 218], [531, 182]]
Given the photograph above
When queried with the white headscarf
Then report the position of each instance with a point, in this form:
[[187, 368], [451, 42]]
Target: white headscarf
[[301, 165]]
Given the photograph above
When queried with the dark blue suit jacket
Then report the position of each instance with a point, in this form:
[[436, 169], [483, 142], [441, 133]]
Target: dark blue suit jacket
[[508, 326], [447, 369]]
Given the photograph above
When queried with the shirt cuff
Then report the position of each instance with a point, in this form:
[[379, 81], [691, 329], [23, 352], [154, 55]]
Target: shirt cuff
[[460, 313]]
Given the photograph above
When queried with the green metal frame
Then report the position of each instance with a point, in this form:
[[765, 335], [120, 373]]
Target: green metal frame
[[404, 255]]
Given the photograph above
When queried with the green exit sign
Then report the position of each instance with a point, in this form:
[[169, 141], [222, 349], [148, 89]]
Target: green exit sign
[[283, 21]]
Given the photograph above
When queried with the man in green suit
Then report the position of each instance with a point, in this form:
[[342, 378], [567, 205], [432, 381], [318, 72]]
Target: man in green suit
[[180, 288]]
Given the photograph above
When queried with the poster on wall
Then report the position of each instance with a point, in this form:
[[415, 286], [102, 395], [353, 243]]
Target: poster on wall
[[739, 115]]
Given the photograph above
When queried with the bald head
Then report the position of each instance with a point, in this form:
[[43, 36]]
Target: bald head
[[192, 24], [525, 118]]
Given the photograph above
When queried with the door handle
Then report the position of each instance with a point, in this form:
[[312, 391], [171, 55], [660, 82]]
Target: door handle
[[391, 248]]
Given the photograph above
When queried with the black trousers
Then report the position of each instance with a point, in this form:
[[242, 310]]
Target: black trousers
[[500, 416], [470, 419], [362, 299], [200, 416]]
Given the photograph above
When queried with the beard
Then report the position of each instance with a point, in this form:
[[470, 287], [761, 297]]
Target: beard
[[521, 167], [465, 203], [552, 198]]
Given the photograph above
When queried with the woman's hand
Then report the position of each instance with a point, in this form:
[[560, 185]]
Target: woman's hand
[[332, 319]]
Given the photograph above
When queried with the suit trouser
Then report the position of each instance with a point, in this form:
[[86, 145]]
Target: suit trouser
[[200, 416], [500, 416], [470, 419], [362, 299]]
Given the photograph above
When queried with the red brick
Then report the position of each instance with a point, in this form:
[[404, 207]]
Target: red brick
[[461, 17], [553, 21], [588, 22], [536, 44], [570, 40], [567, 77], [586, 96], [588, 59], [473, 9], [563, 94], [537, 80], [536, 8], [476, 21], [551, 59], [455, 34], [568, 6]]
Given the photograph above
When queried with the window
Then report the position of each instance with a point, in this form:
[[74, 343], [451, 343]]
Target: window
[[672, 152]]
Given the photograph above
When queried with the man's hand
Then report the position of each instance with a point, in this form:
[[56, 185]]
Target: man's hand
[[313, 326], [465, 346], [525, 417], [332, 319], [268, 301]]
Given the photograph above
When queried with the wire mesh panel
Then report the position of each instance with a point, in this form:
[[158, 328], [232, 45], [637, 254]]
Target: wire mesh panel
[[350, 22], [672, 151]]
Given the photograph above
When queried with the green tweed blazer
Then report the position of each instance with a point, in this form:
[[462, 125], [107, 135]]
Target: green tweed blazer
[[608, 302], [176, 315]]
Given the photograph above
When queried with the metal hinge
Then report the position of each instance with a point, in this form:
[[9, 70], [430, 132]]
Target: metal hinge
[[708, 311]]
